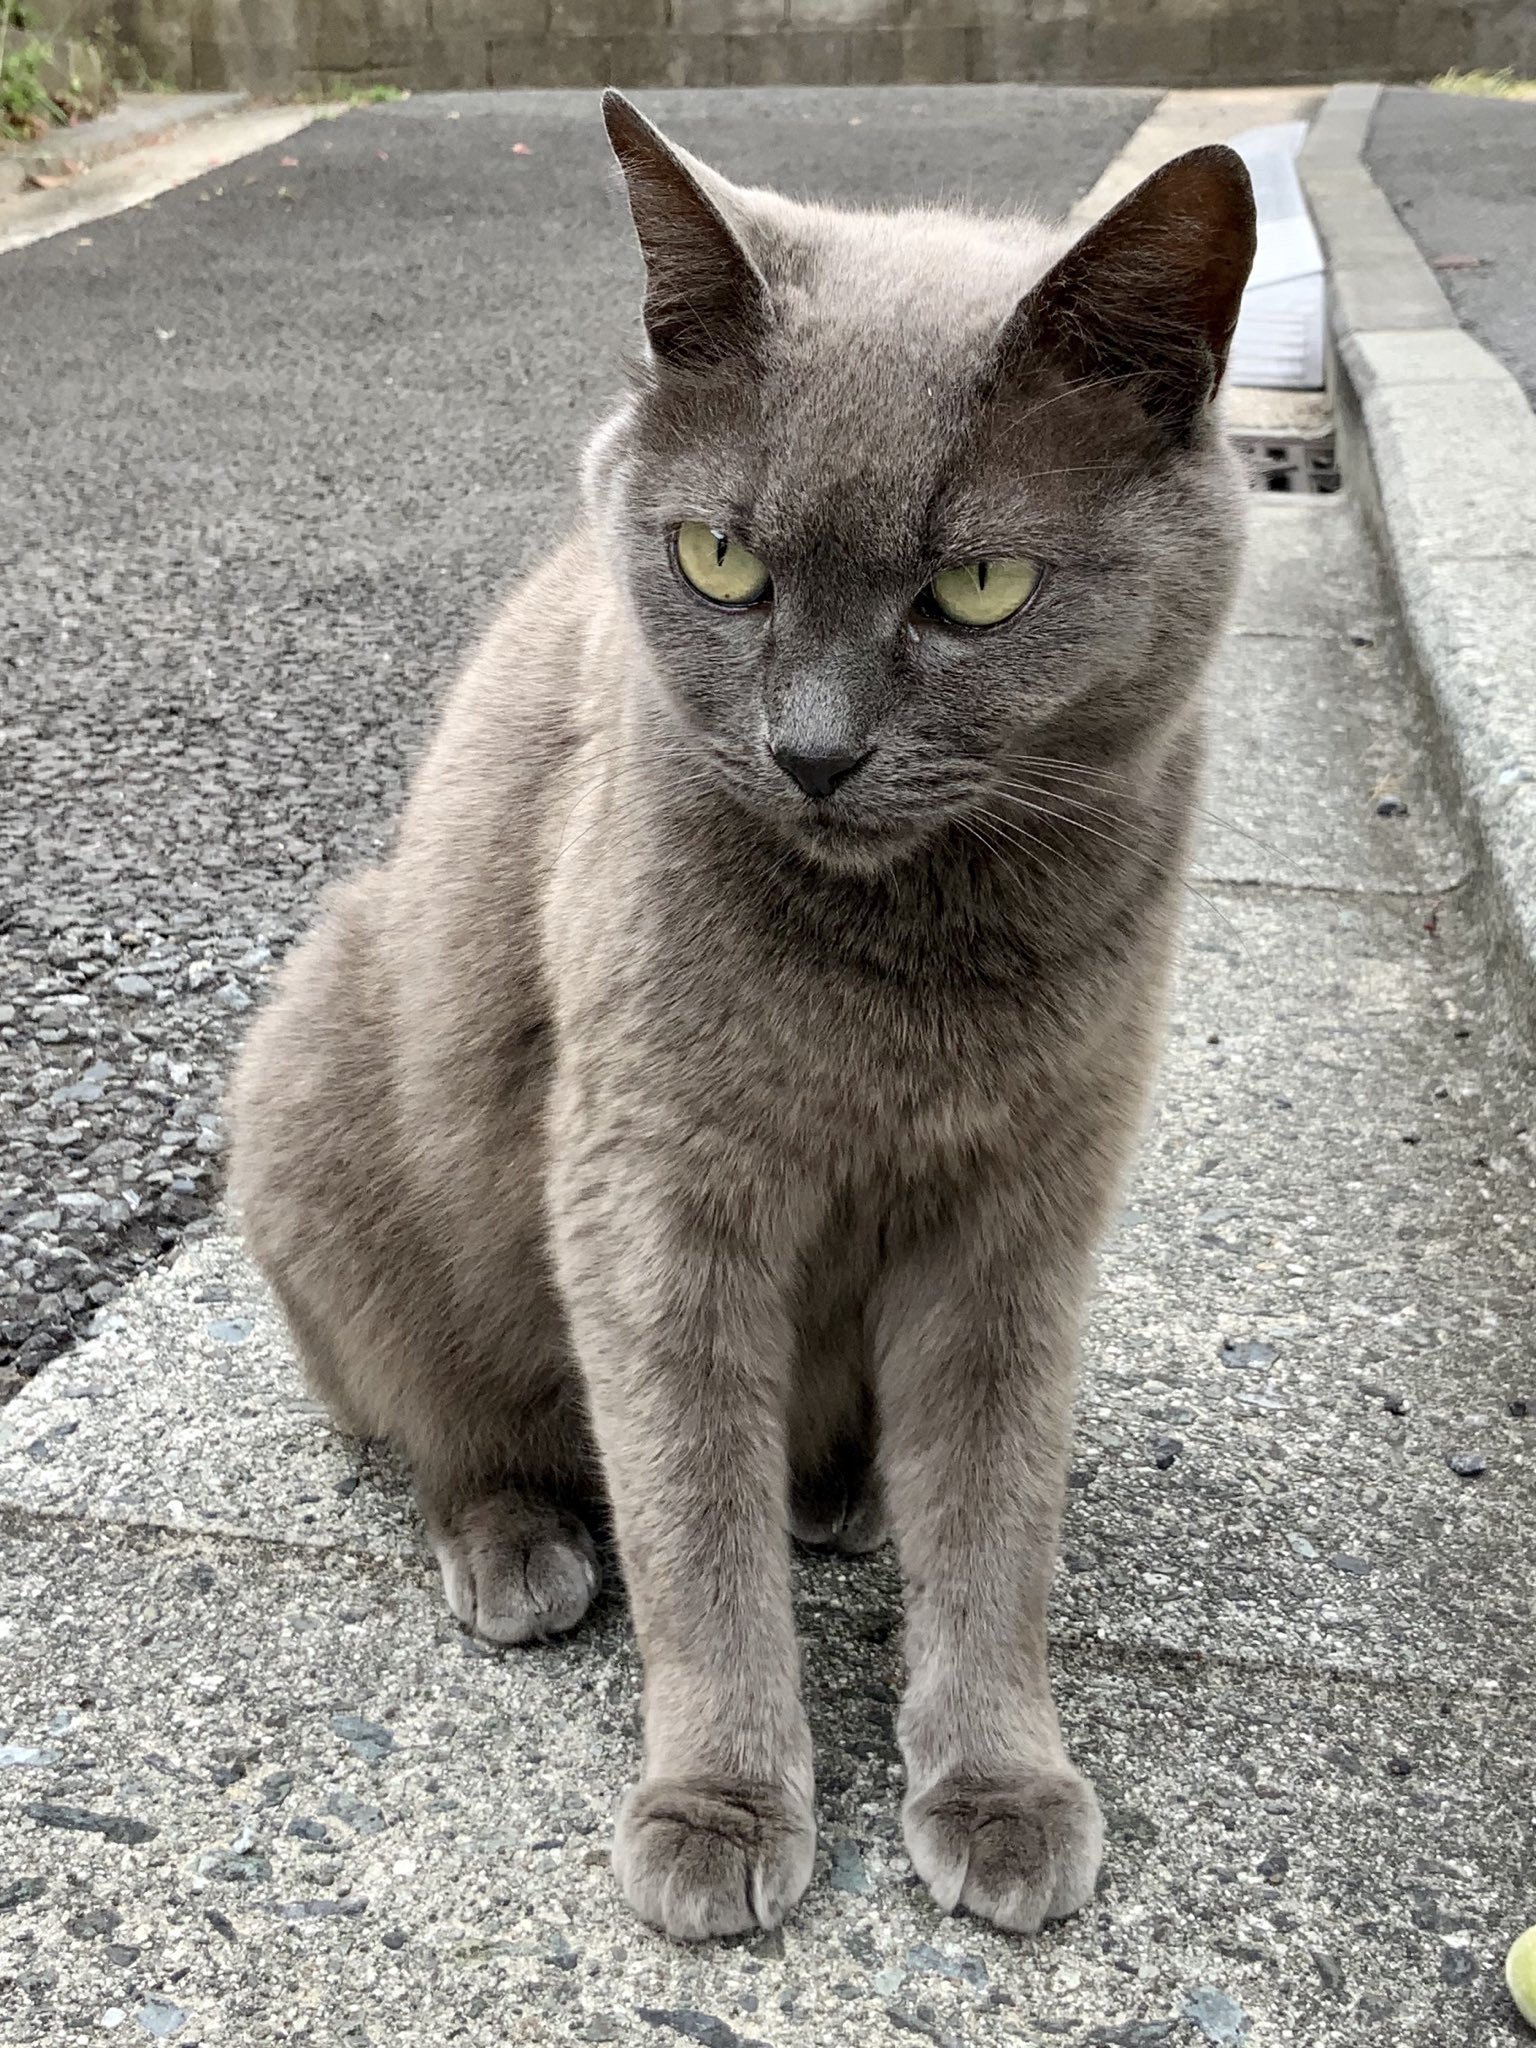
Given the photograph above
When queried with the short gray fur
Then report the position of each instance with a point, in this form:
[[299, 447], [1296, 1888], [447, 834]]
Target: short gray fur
[[707, 1114]]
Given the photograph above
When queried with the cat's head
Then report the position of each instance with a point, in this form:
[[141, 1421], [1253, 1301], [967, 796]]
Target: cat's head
[[903, 500]]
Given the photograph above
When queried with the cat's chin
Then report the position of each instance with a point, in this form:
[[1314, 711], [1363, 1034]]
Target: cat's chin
[[848, 849]]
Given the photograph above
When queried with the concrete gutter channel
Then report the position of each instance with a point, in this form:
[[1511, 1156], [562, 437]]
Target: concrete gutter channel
[[150, 144], [1439, 440], [138, 121], [259, 1790]]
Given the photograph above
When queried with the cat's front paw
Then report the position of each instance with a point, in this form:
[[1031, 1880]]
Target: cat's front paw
[[836, 1516], [701, 1858], [514, 1569], [1017, 1850]]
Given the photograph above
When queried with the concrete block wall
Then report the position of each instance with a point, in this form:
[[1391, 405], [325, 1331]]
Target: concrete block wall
[[285, 45]]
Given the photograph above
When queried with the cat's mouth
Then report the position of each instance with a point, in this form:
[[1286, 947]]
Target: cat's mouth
[[852, 840]]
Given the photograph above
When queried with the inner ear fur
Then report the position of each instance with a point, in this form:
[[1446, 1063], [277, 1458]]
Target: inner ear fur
[[1149, 296], [705, 299]]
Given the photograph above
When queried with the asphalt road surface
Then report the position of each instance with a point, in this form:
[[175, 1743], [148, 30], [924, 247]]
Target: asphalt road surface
[[1461, 173], [277, 440]]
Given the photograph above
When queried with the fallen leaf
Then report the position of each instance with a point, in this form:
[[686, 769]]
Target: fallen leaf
[[1458, 262], [289, 163], [83, 242], [48, 181], [383, 156], [521, 149]]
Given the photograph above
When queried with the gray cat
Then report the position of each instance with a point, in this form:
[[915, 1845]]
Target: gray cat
[[708, 1112]]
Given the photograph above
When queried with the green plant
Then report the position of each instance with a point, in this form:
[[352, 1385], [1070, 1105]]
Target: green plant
[[1495, 85], [55, 68], [26, 106]]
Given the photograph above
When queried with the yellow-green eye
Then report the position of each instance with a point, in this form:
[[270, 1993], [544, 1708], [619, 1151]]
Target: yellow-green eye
[[984, 593], [718, 567]]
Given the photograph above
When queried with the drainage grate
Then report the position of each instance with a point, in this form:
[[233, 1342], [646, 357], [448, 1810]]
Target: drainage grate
[[1289, 462]]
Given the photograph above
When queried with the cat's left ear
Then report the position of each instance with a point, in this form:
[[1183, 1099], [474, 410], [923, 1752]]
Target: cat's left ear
[[1148, 298], [705, 299]]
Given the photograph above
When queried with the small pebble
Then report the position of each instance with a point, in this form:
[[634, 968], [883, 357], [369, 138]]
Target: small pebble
[[367, 1738], [161, 2017], [1468, 1464], [1219, 2018]]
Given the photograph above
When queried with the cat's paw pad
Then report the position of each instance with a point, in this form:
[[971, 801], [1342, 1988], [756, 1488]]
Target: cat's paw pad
[[701, 1859], [1018, 1851], [838, 1517], [516, 1571]]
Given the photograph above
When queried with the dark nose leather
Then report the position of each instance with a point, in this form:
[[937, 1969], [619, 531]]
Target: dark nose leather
[[818, 774]]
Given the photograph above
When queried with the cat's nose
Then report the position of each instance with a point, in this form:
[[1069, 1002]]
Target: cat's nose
[[819, 774]]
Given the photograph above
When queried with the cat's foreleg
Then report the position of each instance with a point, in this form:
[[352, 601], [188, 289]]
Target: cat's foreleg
[[976, 1355], [681, 1326]]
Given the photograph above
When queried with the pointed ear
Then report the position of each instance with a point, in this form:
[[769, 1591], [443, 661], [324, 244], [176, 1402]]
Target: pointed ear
[[1149, 297], [705, 299]]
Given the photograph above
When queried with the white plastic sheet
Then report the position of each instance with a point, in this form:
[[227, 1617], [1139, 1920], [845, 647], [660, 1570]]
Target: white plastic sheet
[[1279, 340]]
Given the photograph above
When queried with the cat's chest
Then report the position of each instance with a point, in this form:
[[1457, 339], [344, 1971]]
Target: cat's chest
[[822, 1053], [700, 999]]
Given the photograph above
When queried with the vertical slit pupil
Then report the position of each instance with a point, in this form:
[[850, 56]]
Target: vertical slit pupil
[[722, 546], [981, 575]]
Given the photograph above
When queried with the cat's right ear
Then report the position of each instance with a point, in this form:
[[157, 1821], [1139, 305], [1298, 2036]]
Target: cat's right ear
[[1149, 297], [705, 299]]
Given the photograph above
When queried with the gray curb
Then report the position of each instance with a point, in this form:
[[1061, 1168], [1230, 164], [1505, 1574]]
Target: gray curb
[[139, 120], [1446, 442]]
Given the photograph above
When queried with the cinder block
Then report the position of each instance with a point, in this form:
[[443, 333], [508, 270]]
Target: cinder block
[[1021, 51], [1170, 46], [485, 18], [606, 17], [547, 60], [1272, 43], [856, 16], [939, 14], [698, 60], [1427, 38], [788, 57], [162, 35], [340, 35], [938, 56], [658, 57], [874, 56], [728, 17], [453, 63], [1356, 40]]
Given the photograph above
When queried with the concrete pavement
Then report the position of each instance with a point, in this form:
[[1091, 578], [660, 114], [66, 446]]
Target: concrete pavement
[[1292, 1623], [255, 1787]]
